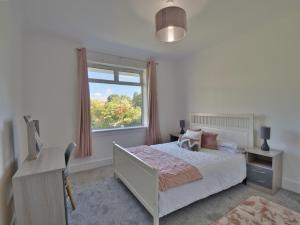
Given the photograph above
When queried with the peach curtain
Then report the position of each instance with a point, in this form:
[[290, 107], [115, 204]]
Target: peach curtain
[[153, 135], [84, 148]]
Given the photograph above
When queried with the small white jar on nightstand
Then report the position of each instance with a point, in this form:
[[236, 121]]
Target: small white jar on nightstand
[[264, 169]]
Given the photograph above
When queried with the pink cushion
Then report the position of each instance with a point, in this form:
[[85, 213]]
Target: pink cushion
[[209, 140]]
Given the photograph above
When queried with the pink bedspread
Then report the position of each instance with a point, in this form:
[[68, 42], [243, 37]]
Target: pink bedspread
[[173, 171]]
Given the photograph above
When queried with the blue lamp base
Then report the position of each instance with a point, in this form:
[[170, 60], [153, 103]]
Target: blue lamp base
[[265, 146]]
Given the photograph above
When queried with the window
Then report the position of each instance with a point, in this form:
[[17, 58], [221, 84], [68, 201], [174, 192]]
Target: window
[[116, 96]]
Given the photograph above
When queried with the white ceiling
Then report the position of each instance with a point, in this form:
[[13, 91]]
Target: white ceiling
[[129, 24]]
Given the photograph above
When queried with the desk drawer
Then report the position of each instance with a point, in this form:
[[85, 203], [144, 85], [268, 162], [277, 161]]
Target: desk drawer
[[261, 176]]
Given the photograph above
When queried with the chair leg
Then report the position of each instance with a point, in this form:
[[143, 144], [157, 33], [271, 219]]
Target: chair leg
[[69, 192], [155, 220]]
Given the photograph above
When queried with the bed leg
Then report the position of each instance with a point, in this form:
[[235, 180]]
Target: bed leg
[[155, 220], [245, 181]]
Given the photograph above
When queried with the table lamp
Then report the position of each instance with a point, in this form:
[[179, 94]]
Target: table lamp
[[182, 125], [265, 133]]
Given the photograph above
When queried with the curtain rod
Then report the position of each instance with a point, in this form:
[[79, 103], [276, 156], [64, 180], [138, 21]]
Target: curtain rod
[[120, 57]]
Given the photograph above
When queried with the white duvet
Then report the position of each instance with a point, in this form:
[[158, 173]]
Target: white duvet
[[220, 170]]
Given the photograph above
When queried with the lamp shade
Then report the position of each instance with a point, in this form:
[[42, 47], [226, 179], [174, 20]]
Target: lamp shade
[[170, 24], [182, 123], [265, 133]]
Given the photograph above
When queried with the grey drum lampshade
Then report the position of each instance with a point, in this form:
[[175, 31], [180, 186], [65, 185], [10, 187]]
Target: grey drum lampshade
[[182, 123], [170, 24], [265, 133]]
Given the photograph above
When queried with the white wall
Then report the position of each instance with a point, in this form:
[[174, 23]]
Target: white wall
[[10, 79], [50, 85], [256, 72], [170, 97]]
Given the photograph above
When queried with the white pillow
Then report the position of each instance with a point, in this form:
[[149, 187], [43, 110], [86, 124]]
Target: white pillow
[[231, 147], [190, 139], [190, 134], [228, 144], [233, 151]]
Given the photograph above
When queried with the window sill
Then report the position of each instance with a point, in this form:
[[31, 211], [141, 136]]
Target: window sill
[[111, 130]]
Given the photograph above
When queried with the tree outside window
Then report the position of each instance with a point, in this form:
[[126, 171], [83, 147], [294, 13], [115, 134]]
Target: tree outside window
[[116, 96]]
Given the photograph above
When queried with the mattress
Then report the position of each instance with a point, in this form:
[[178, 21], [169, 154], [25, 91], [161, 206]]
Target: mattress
[[220, 169]]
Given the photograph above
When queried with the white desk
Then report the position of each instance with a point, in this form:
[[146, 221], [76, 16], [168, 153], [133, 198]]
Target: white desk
[[39, 191]]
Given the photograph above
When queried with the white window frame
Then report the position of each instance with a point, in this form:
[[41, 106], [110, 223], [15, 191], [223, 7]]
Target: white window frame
[[117, 70]]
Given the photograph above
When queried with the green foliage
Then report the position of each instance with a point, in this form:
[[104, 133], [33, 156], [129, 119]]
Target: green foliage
[[117, 111], [137, 100]]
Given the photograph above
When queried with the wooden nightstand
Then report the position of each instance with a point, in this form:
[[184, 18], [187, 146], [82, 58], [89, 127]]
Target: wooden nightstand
[[174, 137], [264, 169]]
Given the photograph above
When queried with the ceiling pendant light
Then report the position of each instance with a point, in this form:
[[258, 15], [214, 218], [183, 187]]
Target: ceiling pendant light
[[170, 24]]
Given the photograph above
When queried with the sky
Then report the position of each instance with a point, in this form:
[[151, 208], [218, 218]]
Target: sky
[[102, 91]]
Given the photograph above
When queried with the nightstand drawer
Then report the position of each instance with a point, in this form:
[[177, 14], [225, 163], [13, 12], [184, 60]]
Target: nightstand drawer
[[260, 176]]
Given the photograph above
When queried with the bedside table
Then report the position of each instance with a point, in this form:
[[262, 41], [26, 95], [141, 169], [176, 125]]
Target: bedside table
[[174, 137], [264, 169]]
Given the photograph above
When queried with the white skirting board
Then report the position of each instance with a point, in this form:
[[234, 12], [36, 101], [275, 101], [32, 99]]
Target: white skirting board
[[92, 164], [291, 185]]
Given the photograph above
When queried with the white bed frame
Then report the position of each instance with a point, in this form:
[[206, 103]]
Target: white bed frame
[[143, 180]]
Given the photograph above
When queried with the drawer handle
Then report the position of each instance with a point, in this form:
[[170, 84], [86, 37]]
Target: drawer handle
[[261, 181], [257, 171]]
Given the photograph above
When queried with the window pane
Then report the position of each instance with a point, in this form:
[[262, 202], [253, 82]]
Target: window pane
[[95, 73], [129, 77], [115, 106]]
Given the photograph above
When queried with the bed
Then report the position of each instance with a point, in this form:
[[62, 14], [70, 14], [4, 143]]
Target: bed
[[221, 170]]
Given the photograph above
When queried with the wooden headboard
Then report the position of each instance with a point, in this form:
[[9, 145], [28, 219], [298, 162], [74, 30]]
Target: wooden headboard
[[231, 127]]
